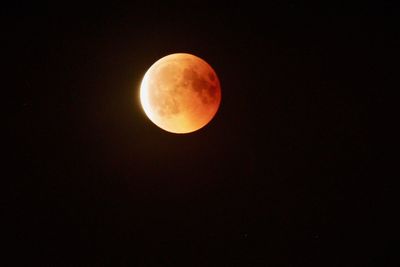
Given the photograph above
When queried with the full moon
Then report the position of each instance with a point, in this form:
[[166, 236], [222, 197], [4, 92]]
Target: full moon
[[180, 93]]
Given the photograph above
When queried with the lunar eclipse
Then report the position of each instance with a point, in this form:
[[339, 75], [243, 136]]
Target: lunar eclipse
[[153, 133], [180, 93]]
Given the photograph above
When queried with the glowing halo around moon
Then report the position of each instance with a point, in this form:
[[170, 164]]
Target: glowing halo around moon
[[180, 93]]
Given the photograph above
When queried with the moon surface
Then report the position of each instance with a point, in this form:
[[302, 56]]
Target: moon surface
[[180, 93]]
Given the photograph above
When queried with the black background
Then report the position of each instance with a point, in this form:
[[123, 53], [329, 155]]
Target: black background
[[286, 174]]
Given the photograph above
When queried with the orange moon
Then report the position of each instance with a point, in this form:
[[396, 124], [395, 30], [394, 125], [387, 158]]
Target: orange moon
[[180, 93]]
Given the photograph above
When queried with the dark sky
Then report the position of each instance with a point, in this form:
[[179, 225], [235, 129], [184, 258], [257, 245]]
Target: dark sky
[[286, 174]]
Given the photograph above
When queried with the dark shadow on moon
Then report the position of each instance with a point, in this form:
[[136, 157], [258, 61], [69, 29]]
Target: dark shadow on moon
[[165, 97], [206, 90]]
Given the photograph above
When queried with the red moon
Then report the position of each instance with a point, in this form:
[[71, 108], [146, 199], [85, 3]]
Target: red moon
[[180, 93]]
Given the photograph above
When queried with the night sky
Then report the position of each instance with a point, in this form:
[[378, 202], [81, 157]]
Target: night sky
[[288, 173]]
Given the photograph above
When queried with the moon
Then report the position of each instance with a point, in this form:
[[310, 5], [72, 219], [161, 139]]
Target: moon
[[180, 93]]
